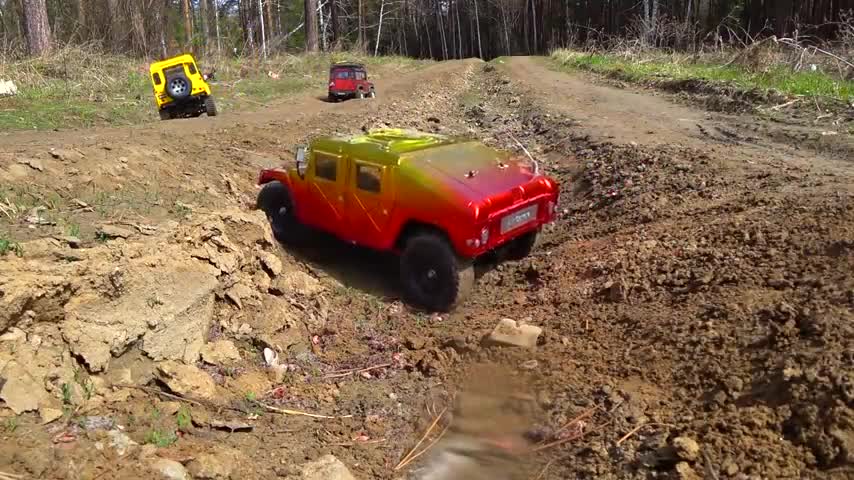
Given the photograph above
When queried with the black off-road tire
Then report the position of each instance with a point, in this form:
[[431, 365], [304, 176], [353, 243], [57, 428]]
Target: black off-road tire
[[360, 94], [372, 93], [521, 247], [432, 276], [210, 107], [179, 87], [165, 115], [274, 200]]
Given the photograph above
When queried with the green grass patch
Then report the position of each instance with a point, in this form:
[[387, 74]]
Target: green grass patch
[[779, 78], [78, 87]]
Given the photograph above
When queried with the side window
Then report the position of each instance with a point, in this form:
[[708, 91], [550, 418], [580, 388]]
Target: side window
[[192, 68], [368, 178], [156, 78], [325, 166], [360, 75]]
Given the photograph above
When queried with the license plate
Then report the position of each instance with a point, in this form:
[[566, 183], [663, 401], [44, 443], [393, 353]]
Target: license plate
[[518, 218]]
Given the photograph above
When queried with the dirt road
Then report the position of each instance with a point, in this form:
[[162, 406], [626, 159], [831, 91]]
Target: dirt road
[[695, 296]]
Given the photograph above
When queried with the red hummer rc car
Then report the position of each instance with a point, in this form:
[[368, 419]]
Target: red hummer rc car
[[349, 80], [439, 202]]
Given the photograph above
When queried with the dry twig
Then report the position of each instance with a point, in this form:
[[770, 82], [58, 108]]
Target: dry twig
[[638, 428], [408, 457], [428, 447], [356, 371]]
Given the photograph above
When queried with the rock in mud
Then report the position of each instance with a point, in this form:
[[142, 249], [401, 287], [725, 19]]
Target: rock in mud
[[120, 442], [683, 471], [112, 231], [47, 414], [271, 263], [170, 311], [327, 467], [170, 469], [221, 352], [296, 282], [509, 333], [187, 380], [21, 391], [686, 448], [222, 464]]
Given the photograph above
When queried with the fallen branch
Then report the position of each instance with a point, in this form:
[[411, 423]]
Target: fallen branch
[[285, 411], [638, 428], [787, 104], [10, 476], [356, 371], [406, 459]]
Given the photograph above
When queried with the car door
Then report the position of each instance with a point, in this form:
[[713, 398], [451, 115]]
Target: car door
[[326, 180], [370, 200]]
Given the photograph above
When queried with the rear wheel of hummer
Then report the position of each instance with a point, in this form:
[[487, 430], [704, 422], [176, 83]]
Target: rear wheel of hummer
[[165, 115], [210, 106], [521, 247], [360, 94], [372, 94], [275, 201], [432, 275]]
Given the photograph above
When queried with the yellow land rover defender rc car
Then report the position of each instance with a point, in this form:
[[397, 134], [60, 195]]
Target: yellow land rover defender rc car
[[180, 89]]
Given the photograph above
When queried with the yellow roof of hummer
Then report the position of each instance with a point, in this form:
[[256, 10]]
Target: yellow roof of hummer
[[177, 60]]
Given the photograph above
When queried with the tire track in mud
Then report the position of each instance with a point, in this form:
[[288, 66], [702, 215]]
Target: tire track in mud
[[680, 289]]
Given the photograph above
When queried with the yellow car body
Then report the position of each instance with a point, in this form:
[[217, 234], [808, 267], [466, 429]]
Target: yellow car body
[[180, 89]]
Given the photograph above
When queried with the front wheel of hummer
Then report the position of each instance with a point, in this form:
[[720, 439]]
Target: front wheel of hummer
[[275, 201], [432, 275]]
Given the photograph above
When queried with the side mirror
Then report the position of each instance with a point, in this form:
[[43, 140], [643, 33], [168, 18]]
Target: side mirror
[[302, 165]]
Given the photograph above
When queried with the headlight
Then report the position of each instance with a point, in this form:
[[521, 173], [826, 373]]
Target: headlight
[[484, 235]]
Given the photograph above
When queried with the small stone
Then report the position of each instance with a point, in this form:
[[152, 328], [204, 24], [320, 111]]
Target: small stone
[[170, 469], [48, 415], [111, 231], [271, 263], [221, 352], [120, 442], [187, 380], [210, 467], [296, 282], [729, 467], [530, 365], [685, 472], [686, 448], [72, 242], [507, 332], [327, 467], [414, 342]]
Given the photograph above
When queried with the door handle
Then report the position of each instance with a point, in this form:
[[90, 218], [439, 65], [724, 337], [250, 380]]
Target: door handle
[[340, 198]]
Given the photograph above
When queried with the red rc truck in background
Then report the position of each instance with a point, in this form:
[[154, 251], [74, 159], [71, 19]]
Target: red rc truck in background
[[439, 202], [349, 80]]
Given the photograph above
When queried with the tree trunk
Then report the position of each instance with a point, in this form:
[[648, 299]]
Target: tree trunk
[[38, 28], [216, 23], [333, 21], [379, 29], [477, 23], [361, 45], [263, 29], [81, 21], [188, 27], [140, 42], [203, 11], [115, 27], [311, 25], [271, 25]]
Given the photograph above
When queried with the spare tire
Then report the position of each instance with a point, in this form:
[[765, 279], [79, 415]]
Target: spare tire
[[179, 87]]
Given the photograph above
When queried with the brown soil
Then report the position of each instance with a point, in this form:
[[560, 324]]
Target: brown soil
[[695, 298]]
